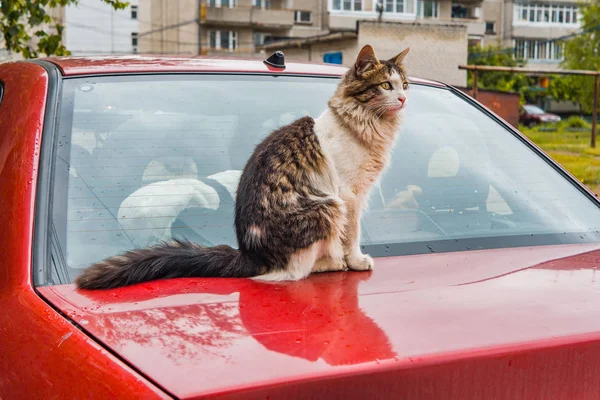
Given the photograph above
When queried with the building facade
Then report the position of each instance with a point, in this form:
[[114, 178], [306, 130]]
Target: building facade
[[94, 27], [242, 26], [436, 50], [217, 27], [247, 27], [533, 29]]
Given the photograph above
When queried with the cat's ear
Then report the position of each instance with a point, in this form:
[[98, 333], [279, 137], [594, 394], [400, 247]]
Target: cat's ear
[[397, 59], [366, 60]]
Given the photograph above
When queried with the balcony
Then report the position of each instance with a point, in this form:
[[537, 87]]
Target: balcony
[[272, 18], [248, 16], [475, 27]]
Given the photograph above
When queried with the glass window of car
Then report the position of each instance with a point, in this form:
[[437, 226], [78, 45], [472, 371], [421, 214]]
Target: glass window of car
[[533, 109], [141, 159]]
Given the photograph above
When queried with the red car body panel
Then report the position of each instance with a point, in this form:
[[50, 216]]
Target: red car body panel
[[49, 358], [73, 66], [520, 323], [480, 324]]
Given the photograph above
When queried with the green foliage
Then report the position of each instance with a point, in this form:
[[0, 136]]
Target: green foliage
[[572, 150], [492, 80], [29, 29], [581, 52], [576, 121]]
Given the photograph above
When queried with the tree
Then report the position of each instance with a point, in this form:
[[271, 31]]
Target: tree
[[581, 52], [492, 80], [24, 25]]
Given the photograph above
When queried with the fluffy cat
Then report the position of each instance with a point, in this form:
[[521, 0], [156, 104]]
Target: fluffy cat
[[300, 196]]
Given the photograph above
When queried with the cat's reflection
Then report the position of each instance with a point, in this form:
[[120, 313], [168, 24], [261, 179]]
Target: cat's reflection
[[315, 318]]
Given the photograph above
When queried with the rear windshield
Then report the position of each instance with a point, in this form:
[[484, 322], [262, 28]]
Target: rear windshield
[[141, 159]]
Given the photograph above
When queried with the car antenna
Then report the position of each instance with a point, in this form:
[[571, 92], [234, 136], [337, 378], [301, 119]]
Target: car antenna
[[276, 60]]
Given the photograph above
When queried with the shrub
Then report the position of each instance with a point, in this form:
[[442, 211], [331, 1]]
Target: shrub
[[575, 121]]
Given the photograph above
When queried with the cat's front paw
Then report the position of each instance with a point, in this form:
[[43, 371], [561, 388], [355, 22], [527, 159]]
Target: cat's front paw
[[359, 262]]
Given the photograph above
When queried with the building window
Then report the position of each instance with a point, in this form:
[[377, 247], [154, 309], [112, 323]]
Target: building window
[[134, 39], [259, 38], [490, 27], [539, 50], [465, 11], [303, 17], [394, 6], [427, 8], [222, 3], [534, 13], [223, 40], [265, 4], [212, 42], [134, 12], [347, 5]]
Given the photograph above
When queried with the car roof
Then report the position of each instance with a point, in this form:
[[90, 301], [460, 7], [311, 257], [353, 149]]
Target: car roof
[[102, 65]]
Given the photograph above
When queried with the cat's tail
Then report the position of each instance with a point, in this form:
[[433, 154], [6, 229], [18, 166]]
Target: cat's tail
[[173, 259]]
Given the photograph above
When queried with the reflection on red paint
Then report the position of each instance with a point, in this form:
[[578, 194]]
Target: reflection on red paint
[[316, 318], [326, 307]]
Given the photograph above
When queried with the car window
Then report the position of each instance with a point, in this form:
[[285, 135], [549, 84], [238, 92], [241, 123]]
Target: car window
[[534, 109], [143, 159]]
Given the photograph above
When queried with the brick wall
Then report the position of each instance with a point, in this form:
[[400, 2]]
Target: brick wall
[[506, 105]]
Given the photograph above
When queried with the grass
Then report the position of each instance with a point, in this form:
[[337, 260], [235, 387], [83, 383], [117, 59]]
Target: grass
[[571, 149]]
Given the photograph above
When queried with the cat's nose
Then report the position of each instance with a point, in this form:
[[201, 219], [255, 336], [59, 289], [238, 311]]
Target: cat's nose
[[402, 99]]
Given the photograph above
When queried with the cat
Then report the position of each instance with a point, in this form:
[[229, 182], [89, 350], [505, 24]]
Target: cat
[[300, 195]]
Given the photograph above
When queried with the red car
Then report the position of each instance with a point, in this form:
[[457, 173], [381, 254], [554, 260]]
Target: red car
[[532, 115], [485, 249]]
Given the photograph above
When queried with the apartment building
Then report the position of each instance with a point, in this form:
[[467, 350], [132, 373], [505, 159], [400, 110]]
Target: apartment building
[[242, 26], [533, 28], [94, 27], [343, 14], [436, 50], [211, 27]]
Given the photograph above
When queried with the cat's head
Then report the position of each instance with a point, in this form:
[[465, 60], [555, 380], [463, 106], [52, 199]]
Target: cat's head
[[377, 86]]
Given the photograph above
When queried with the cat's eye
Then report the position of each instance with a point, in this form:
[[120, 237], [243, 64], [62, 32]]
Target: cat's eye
[[386, 85], [405, 85]]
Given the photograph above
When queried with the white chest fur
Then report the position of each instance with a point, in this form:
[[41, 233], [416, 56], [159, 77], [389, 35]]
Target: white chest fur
[[355, 166]]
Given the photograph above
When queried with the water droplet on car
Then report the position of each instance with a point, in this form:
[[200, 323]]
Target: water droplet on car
[[377, 361], [460, 213], [432, 207], [298, 340]]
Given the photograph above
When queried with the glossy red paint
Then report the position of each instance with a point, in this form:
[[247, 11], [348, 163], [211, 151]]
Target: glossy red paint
[[518, 323], [512, 323], [42, 354], [72, 66]]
